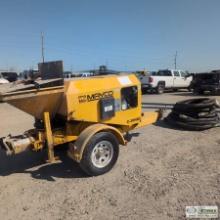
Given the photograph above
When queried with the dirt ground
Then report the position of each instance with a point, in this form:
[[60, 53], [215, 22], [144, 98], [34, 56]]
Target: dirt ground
[[158, 174]]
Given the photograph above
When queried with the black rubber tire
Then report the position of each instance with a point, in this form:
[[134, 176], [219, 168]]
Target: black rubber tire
[[190, 89], [186, 118], [195, 114], [193, 106], [197, 91], [189, 126], [195, 103], [144, 90], [160, 88], [86, 162], [197, 123]]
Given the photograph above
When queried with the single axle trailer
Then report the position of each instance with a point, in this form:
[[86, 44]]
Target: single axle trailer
[[91, 115]]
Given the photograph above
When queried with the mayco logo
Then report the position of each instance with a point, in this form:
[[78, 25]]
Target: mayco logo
[[95, 96]]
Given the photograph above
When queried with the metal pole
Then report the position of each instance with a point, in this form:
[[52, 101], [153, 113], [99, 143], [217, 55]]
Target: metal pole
[[175, 58], [42, 46]]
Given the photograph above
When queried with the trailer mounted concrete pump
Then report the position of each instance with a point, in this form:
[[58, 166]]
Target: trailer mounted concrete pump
[[91, 115]]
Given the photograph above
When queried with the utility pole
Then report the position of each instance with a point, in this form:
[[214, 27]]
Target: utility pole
[[42, 46], [175, 58]]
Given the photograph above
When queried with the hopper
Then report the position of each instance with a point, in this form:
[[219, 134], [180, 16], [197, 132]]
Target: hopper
[[34, 98]]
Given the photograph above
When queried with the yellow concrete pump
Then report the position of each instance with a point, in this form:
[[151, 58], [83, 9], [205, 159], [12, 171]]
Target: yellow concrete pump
[[91, 115]]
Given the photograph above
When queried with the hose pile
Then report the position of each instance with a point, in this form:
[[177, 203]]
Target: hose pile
[[195, 114]]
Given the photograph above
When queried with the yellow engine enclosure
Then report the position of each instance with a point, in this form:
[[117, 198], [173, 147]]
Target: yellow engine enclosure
[[82, 96]]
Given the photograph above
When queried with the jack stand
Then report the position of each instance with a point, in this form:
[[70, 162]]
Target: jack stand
[[49, 136]]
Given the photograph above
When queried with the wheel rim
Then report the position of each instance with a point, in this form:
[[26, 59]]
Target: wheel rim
[[160, 88], [102, 154]]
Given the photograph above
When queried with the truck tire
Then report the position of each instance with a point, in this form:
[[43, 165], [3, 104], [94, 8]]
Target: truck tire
[[190, 89], [144, 91], [160, 88], [198, 91], [100, 154]]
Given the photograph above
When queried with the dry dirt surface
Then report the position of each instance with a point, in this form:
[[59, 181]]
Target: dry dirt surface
[[158, 174]]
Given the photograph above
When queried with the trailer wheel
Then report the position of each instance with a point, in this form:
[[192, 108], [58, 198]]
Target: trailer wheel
[[100, 154]]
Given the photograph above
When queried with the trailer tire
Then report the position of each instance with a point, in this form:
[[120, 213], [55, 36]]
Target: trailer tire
[[100, 154]]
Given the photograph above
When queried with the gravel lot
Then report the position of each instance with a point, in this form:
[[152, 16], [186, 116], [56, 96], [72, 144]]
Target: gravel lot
[[158, 173]]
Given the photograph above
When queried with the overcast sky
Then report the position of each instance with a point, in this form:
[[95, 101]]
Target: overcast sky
[[124, 34]]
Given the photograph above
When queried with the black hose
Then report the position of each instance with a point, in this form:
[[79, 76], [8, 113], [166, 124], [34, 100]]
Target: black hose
[[195, 114]]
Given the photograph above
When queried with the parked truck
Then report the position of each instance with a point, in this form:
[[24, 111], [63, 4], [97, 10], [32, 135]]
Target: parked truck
[[206, 82], [165, 79]]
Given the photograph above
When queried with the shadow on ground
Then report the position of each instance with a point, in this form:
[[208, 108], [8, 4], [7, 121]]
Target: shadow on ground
[[129, 136], [164, 124], [35, 164]]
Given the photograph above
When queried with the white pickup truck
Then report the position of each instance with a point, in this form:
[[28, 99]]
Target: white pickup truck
[[165, 79]]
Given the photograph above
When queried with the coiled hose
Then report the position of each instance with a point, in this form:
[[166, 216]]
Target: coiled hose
[[195, 114]]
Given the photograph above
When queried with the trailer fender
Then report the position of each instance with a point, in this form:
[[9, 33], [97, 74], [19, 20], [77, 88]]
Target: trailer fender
[[76, 149]]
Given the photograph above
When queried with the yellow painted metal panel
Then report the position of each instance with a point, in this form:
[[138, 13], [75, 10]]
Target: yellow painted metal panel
[[82, 99], [148, 118]]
